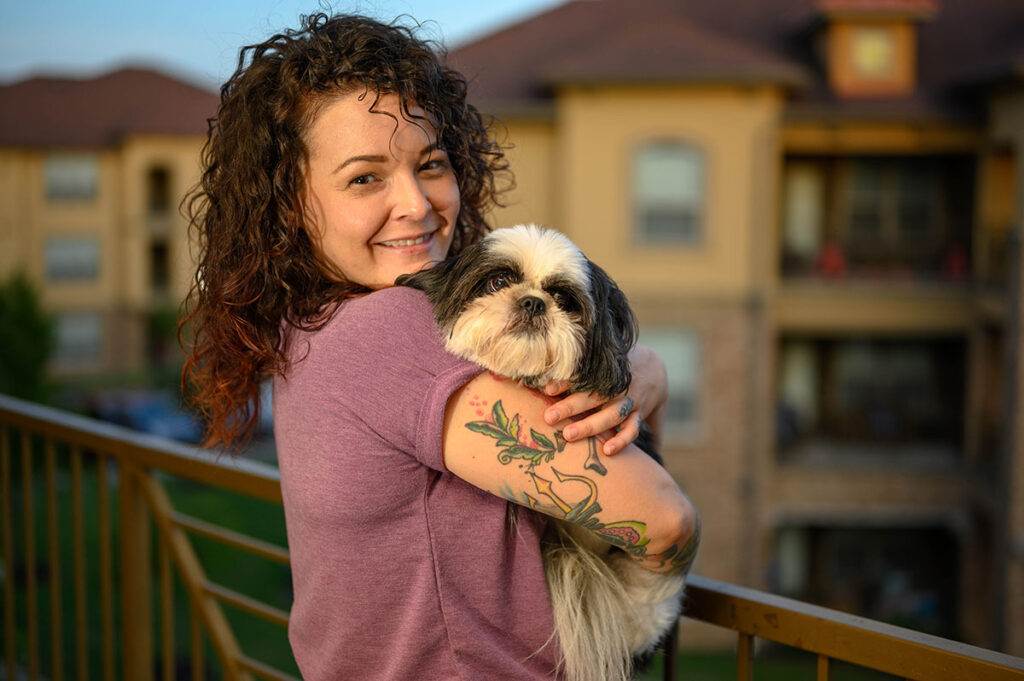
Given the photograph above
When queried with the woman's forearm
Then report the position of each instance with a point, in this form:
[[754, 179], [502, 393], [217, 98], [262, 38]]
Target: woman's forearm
[[678, 556]]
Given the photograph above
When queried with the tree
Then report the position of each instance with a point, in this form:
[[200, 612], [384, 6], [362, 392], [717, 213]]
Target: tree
[[26, 340]]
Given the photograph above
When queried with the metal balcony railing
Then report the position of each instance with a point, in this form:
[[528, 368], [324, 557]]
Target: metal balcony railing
[[131, 468]]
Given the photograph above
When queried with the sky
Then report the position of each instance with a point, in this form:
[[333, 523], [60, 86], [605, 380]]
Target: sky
[[199, 40]]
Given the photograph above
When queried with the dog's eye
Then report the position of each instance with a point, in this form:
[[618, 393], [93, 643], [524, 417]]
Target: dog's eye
[[498, 282], [565, 300]]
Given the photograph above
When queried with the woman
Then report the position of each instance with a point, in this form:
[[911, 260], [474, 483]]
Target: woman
[[343, 155]]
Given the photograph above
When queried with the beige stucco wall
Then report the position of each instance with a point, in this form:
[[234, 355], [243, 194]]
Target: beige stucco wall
[[529, 148], [736, 131], [116, 216], [181, 156], [15, 211], [34, 219]]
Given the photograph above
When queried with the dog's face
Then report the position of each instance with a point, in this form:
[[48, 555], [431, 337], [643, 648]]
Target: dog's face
[[524, 302]]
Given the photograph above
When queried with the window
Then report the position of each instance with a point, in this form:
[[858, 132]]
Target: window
[[159, 270], [894, 203], [804, 209], [878, 217], [159, 189], [668, 192], [71, 177], [79, 338], [874, 52], [866, 207], [872, 391], [72, 258], [680, 350]]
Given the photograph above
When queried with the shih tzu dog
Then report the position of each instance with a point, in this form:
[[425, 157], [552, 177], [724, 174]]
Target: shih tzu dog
[[525, 303]]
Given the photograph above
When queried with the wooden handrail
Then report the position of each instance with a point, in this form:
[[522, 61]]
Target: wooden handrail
[[250, 478], [751, 614], [859, 640]]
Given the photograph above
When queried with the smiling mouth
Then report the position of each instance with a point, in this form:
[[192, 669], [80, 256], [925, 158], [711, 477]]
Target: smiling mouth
[[398, 243]]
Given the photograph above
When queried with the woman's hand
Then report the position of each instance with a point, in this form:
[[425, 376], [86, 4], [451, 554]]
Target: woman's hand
[[616, 421]]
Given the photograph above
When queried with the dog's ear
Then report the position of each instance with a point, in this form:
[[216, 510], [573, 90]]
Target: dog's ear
[[448, 284], [432, 281], [612, 332]]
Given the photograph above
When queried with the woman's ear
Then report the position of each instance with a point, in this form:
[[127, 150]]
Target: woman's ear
[[605, 367]]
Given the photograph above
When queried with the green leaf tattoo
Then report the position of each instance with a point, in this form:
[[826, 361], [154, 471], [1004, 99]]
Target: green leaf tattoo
[[541, 440], [498, 413], [628, 535], [506, 432]]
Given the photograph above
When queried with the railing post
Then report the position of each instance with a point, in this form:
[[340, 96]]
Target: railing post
[[136, 580], [671, 651]]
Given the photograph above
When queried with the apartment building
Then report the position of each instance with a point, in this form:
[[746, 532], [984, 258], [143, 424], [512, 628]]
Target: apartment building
[[814, 208], [91, 174]]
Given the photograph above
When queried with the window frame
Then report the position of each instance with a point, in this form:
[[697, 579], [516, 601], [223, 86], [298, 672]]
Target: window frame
[[51, 189], [73, 278], [641, 235], [688, 430], [79, 360]]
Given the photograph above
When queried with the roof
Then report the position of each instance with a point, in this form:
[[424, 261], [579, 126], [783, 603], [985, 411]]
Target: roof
[[743, 41], [906, 8], [99, 111], [657, 49]]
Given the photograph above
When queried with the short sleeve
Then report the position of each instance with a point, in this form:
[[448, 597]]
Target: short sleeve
[[384, 362]]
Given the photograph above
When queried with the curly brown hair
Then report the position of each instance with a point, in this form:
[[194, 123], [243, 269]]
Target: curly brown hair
[[257, 265]]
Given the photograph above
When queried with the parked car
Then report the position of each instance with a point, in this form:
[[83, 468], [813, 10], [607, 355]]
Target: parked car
[[154, 412], [266, 426]]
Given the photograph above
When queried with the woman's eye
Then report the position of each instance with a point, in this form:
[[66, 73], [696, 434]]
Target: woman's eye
[[436, 164], [357, 180]]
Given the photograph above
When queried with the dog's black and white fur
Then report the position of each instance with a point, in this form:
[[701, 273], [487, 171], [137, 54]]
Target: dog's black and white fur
[[524, 302]]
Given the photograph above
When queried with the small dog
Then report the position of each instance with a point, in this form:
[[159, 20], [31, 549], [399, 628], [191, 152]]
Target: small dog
[[525, 303]]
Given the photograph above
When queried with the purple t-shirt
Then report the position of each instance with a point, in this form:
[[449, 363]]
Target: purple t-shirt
[[400, 569]]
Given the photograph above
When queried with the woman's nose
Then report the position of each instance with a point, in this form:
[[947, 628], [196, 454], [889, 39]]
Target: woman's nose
[[411, 201]]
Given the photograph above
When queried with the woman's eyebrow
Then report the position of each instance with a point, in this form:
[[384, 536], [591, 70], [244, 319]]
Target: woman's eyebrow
[[380, 159]]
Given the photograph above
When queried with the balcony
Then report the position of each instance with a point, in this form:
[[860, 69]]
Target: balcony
[[102, 507], [871, 398], [882, 219]]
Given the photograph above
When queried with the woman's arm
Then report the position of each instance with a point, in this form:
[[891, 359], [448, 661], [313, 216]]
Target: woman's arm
[[495, 438]]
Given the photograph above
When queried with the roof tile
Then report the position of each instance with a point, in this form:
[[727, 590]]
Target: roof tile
[[98, 112]]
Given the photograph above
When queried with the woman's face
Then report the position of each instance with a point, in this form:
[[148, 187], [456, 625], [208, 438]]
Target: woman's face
[[381, 201]]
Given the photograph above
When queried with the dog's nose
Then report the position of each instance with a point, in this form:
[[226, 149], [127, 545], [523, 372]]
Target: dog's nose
[[532, 305]]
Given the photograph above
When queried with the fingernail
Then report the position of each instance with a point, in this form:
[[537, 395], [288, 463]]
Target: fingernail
[[551, 389], [551, 416], [609, 448], [569, 432]]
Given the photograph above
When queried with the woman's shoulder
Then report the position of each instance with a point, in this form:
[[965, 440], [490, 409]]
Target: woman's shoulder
[[395, 301], [384, 314], [395, 323]]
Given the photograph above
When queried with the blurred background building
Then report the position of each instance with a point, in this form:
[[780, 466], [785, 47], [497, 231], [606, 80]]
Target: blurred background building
[[814, 207]]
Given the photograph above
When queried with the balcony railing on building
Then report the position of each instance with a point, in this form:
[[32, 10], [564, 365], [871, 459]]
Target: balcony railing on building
[[58, 532], [888, 219], [871, 397]]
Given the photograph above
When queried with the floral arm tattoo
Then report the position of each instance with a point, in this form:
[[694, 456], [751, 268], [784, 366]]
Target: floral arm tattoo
[[629, 535]]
